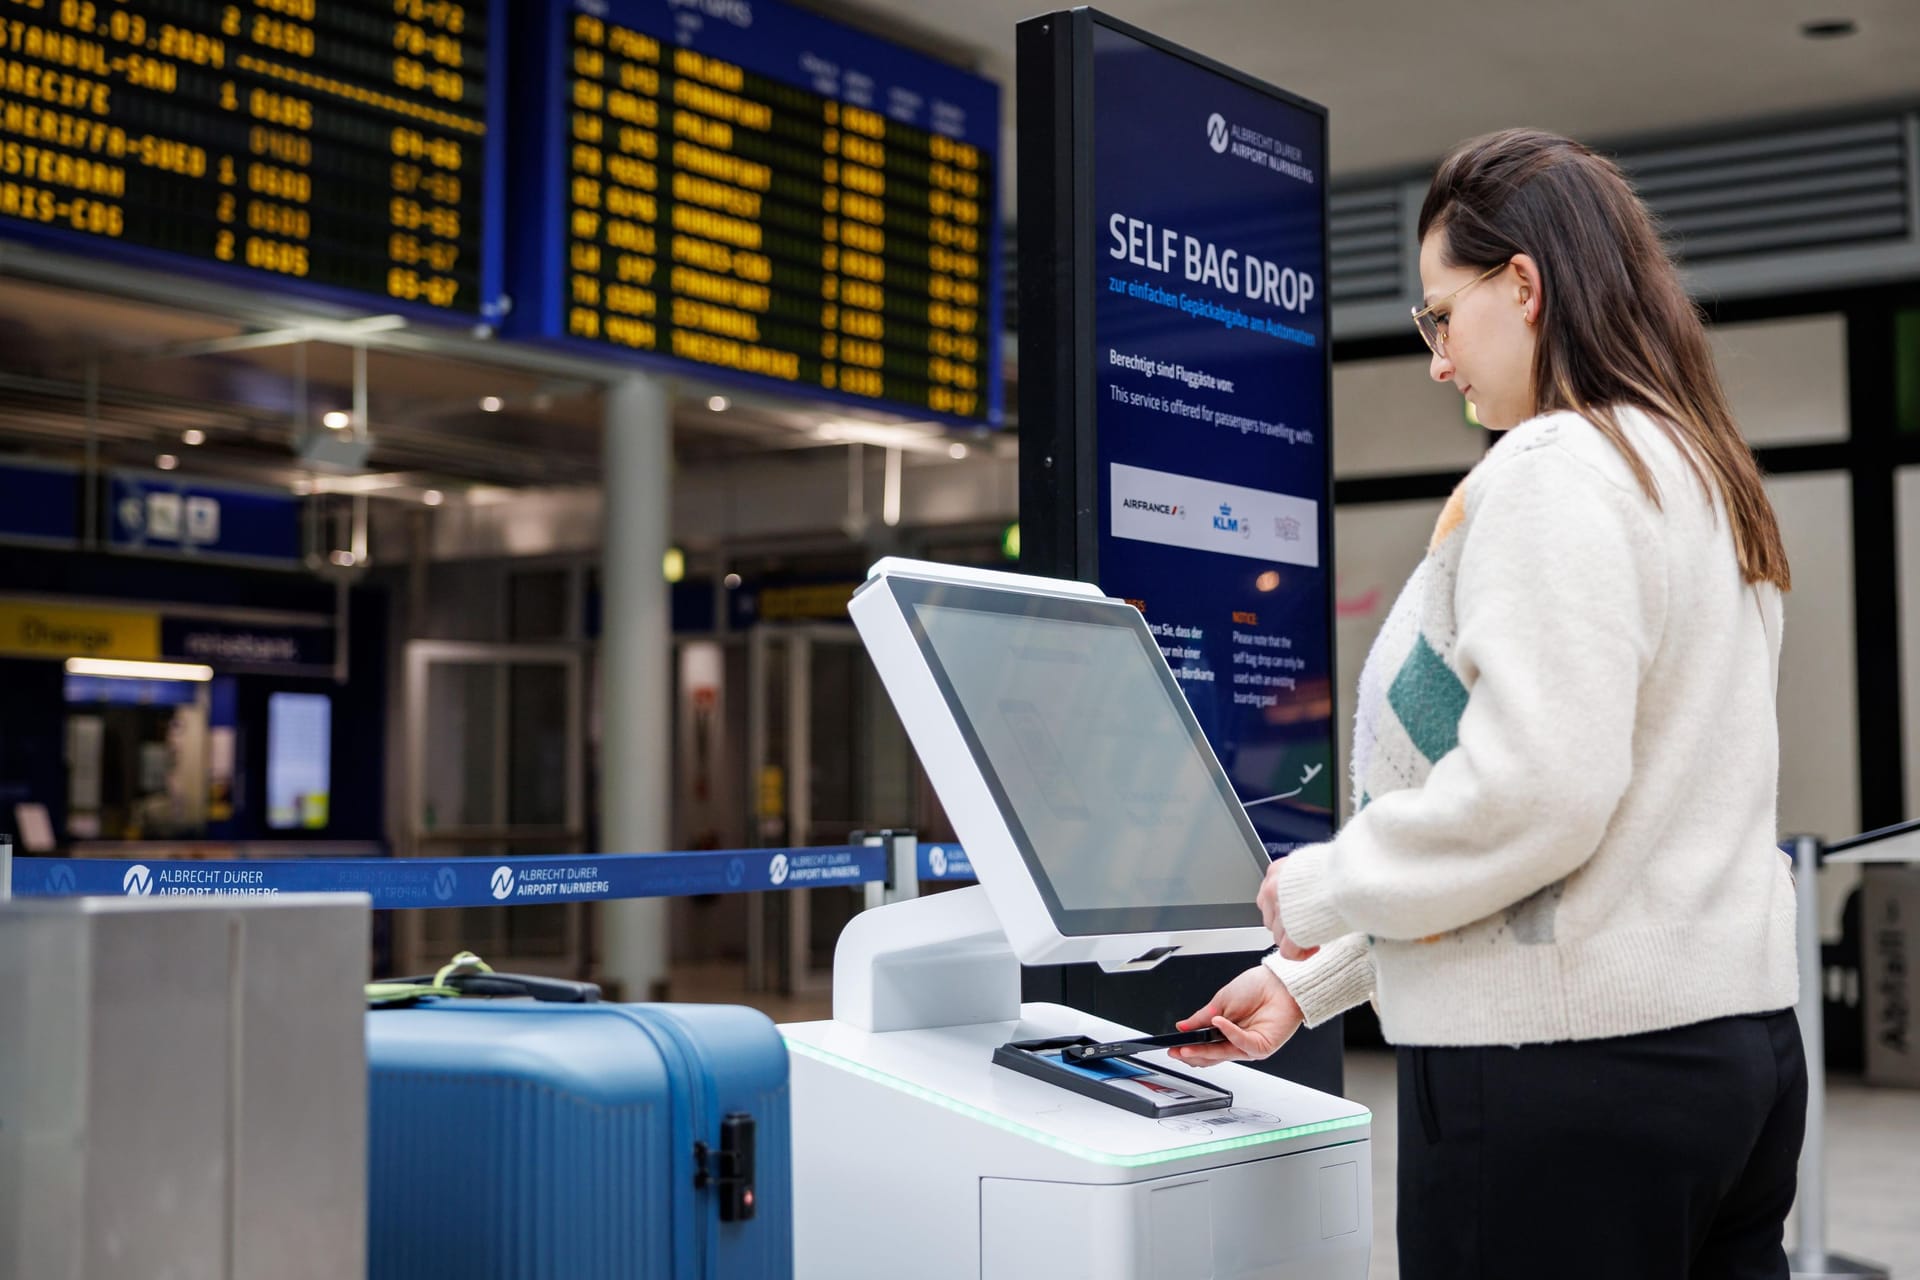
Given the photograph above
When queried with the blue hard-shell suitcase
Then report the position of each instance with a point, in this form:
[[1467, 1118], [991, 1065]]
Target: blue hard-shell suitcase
[[513, 1140]]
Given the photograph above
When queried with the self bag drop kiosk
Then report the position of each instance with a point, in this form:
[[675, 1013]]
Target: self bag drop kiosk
[[939, 1128]]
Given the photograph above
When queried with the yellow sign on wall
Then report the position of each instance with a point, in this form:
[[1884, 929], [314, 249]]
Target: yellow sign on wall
[[795, 604], [54, 632]]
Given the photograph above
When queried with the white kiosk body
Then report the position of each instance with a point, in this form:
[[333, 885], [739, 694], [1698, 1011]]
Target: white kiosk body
[[1102, 829]]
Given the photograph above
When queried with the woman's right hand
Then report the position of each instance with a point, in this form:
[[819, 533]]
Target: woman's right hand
[[1255, 1012], [1268, 900]]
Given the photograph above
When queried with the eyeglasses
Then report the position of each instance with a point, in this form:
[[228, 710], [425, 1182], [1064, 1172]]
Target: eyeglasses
[[1432, 327]]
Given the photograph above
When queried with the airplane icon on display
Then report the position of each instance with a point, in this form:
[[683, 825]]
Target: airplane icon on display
[[1307, 775]]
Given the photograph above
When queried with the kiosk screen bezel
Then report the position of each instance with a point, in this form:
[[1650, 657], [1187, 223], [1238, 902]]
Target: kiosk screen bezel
[[910, 594]]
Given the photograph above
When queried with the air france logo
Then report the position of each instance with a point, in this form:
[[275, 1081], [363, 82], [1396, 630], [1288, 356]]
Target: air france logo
[[138, 882], [444, 881], [1158, 508], [777, 869], [1217, 132], [938, 860], [502, 882]]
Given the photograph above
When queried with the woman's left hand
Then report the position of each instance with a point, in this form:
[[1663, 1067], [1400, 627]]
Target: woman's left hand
[[1269, 900]]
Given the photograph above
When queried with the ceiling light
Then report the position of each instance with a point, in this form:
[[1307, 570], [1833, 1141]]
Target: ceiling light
[[166, 462], [126, 670], [719, 404], [193, 435], [492, 404], [673, 565], [731, 581], [371, 482], [345, 559], [1829, 28], [337, 419], [433, 497], [920, 438], [956, 451], [347, 332]]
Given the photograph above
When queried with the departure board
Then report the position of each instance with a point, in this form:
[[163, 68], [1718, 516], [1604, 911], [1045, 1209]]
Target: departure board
[[336, 147], [764, 194]]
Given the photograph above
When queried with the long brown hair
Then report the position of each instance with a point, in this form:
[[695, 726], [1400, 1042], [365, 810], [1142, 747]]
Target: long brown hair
[[1616, 326]]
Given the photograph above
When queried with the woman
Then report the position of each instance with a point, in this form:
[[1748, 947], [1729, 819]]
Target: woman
[[1560, 887]]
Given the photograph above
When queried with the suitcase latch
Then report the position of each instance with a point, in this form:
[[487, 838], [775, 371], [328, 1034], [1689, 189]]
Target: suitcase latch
[[730, 1170]]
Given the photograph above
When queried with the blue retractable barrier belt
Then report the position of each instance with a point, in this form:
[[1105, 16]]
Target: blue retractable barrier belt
[[945, 862], [464, 882]]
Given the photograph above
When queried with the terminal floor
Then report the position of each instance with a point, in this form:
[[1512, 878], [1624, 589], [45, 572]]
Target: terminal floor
[[1873, 1139]]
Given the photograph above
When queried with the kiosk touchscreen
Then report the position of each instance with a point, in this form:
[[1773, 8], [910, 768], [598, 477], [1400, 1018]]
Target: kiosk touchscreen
[[1081, 785], [939, 1120]]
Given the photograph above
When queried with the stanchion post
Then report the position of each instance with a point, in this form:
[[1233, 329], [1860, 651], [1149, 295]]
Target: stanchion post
[[1810, 1260], [6, 867], [906, 866], [903, 865], [1811, 1250]]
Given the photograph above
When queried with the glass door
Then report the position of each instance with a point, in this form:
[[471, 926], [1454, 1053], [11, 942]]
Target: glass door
[[495, 768], [826, 756]]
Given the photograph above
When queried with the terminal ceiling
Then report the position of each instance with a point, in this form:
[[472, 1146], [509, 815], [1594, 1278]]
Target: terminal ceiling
[[1404, 80]]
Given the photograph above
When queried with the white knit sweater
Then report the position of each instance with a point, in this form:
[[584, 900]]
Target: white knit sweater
[[1565, 765]]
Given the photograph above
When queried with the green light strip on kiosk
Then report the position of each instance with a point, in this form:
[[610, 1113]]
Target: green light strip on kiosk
[[1074, 1148]]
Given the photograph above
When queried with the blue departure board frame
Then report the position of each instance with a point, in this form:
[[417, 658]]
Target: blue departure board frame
[[796, 62], [137, 106], [1176, 441]]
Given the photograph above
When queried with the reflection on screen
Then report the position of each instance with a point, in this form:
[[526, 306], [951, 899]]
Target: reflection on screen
[[1097, 764], [299, 759]]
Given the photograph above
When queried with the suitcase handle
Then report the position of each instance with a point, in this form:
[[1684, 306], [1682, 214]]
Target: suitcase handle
[[469, 975], [545, 990]]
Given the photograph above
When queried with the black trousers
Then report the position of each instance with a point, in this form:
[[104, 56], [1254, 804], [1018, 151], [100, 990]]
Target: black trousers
[[1665, 1156]]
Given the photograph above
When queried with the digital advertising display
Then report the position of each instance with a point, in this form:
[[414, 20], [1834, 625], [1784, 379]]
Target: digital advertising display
[[762, 193], [299, 760], [1195, 479], [346, 149]]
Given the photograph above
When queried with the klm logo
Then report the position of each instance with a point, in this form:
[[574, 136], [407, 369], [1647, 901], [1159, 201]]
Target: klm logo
[[1217, 131], [1226, 521]]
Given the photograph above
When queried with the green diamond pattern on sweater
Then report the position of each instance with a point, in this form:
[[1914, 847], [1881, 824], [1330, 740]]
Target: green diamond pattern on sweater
[[1428, 699]]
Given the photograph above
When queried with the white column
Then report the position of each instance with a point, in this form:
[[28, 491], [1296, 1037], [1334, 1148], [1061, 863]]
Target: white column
[[635, 669]]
